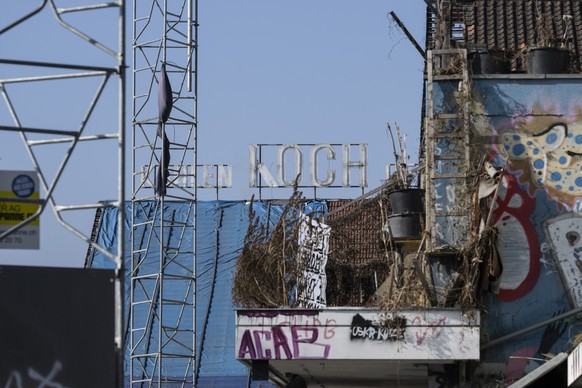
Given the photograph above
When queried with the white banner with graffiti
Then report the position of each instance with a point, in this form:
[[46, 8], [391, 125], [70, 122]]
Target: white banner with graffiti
[[313, 252]]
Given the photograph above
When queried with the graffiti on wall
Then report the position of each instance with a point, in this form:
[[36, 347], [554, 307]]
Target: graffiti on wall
[[544, 151], [526, 359], [283, 343], [387, 330], [535, 133], [517, 241], [297, 336], [431, 329], [548, 156], [308, 318], [563, 233], [34, 378], [365, 334]]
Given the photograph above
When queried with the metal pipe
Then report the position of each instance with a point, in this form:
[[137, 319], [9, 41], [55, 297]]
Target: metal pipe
[[189, 47], [81, 34], [120, 272], [135, 261], [86, 7], [160, 304], [73, 134], [58, 65], [25, 17], [194, 232], [80, 139], [530, 328], [54, 77], [100, 205], [408, 35]]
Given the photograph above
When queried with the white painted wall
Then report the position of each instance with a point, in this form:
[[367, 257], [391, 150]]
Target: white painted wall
[[337, 334]]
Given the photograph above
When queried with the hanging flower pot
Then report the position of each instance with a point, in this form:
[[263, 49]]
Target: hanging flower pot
[[547, 60], [405, 226], [407, 201]]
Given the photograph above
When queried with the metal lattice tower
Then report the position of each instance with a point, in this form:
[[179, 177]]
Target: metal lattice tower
[[96, 123], [162, 341]]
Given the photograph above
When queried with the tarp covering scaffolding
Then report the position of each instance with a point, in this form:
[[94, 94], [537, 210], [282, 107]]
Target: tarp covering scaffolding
[[221, 229]]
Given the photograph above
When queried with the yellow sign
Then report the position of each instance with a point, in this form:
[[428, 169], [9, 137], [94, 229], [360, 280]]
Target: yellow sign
[[16, 186]]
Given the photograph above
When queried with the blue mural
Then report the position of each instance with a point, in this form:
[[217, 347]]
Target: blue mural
[[534, 128]]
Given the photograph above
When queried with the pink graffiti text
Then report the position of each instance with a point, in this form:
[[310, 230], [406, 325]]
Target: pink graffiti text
[[431, 329], [328, 326], [283, 342]]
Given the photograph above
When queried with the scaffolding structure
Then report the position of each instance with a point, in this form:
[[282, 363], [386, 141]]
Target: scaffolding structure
[[162, 323], [76, 128]]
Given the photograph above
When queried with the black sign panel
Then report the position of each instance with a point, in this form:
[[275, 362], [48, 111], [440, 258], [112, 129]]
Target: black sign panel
[[56, 327]]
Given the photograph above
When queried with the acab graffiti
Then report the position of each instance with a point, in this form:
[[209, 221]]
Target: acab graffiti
[[283, 342]]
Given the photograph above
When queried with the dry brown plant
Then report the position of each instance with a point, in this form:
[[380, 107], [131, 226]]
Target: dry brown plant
[[267, 268]]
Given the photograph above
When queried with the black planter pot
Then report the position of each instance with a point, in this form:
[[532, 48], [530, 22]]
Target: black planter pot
[[489, 62], [547, 60], [405, 226], [407, 201]]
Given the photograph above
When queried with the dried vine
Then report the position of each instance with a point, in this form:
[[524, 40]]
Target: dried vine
[[267, 268]]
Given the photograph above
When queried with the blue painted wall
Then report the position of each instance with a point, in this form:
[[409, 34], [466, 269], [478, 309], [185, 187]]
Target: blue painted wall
[[534, 128]]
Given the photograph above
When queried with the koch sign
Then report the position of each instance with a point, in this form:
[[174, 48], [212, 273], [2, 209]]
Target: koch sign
[[325, 163], [278, 165], [17, 189]]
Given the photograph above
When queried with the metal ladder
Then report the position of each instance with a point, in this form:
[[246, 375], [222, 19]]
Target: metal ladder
[[448, 150]]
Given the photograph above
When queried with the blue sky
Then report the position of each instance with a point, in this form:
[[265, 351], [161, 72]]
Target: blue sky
[[304, 71]]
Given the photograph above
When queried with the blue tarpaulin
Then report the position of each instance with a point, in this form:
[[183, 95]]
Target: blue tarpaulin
[[221, 228]]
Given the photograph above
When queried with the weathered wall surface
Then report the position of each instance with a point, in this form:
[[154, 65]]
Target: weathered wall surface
[[356, 334], [534, 128]]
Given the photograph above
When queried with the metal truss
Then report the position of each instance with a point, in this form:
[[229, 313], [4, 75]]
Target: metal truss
[[163, 288], [50, 80]]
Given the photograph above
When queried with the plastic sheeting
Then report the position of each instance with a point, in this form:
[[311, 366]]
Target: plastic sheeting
[[221, 228]]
